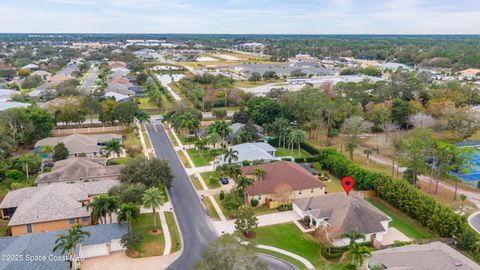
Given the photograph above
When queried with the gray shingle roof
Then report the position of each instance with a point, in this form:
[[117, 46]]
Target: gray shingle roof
[[253, 151], [79, 143], [433, 256], [78, 169], [56, 201], [344, 212], [41, 244]]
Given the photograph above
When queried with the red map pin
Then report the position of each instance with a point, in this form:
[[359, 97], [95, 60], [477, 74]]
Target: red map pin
[[347, 184]]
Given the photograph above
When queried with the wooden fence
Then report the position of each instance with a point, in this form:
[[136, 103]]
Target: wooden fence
[[88, 130]]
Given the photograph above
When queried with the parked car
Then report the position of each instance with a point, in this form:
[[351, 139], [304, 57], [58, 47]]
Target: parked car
[[224, 180]]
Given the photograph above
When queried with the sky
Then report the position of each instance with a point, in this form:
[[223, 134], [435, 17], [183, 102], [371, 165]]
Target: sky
[[241, 16]]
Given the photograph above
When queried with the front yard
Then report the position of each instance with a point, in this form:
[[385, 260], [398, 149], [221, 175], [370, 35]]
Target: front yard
[[211, 179], [152, 245], [204, 159], [401, 221], [288, 237]]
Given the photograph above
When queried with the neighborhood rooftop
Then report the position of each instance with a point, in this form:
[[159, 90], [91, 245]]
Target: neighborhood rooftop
[[253, 151], [79, 143], [433, 256], [78, 169], [52, 202], [344, 212], [281, 172], [40, 244]]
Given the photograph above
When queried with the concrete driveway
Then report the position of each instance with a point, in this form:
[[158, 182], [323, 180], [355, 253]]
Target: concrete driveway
[[120, 261]]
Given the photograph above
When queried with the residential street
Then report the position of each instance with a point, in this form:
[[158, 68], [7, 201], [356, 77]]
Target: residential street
[[90, 80], [196, 228]]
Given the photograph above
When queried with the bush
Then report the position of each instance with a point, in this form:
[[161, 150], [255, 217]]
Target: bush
[[306, 220], [397, 192], [222, 195], [131, 240], [254, 203], [14, 174], [213, 181], [332, 255]]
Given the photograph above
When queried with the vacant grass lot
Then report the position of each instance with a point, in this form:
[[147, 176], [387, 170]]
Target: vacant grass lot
[[152, 245], [203, 159], [401, 221], [288, 237], [174, 233]]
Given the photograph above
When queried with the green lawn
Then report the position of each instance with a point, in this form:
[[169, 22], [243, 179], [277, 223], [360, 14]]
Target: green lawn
[[152, 245], [196, 183], [145, 104], [183, 159], [281, 152], [334, 185], [401, 221], [205, 158], [119, 160], [133, 140], [249, 84], [174, 233], [211, 184], [210, 209], [3, 227], [288, 237], [263, 210], [172, 138], [148, 143]]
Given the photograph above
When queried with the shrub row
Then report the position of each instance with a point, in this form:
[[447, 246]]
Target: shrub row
[[397, 192]]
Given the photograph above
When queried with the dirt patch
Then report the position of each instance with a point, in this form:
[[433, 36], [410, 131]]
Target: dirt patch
[[158, 232]]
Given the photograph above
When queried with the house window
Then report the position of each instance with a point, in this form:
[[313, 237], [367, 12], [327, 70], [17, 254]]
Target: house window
[[259, 197], [71, 221], [29, 228], [84, 219]]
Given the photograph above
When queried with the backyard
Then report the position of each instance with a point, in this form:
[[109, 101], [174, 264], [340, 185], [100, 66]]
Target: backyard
[[401, 221], [284, 152]]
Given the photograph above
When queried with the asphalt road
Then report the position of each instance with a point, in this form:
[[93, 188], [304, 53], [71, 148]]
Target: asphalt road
[[196, 227], [90, 80]]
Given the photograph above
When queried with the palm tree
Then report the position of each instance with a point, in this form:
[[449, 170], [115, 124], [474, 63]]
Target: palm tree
[[358, 252], [259, 172], [296, 136], [27, 161], [354, 235], [128, 212], [113, 146], [213, 138], [230, 155], [142, 117], [99, 208], [233, 170], [153, 198], [243, 182], [112, 204], [67, 243], [222, 128], [200, 145], [463, 198], [367, 153]]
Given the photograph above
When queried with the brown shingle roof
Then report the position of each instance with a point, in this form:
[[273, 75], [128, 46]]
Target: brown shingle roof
[[281, 172]]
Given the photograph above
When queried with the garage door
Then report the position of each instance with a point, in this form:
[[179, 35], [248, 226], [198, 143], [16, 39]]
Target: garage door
[[94, 251]]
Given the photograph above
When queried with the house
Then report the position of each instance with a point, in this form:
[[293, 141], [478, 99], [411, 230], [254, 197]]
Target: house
[[30, 67], [432, 256], [116, 64], [103, 240], [344, 213], [51, 207], [57, 79], [394, 66], [43, 74], [238, 127], [6, 105], [79, 144], [281, 176], [252, 152], [118, 97], [469, 74], [7, 94], [79, 169]]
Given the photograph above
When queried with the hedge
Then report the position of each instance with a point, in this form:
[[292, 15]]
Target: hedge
[[397, 192]]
